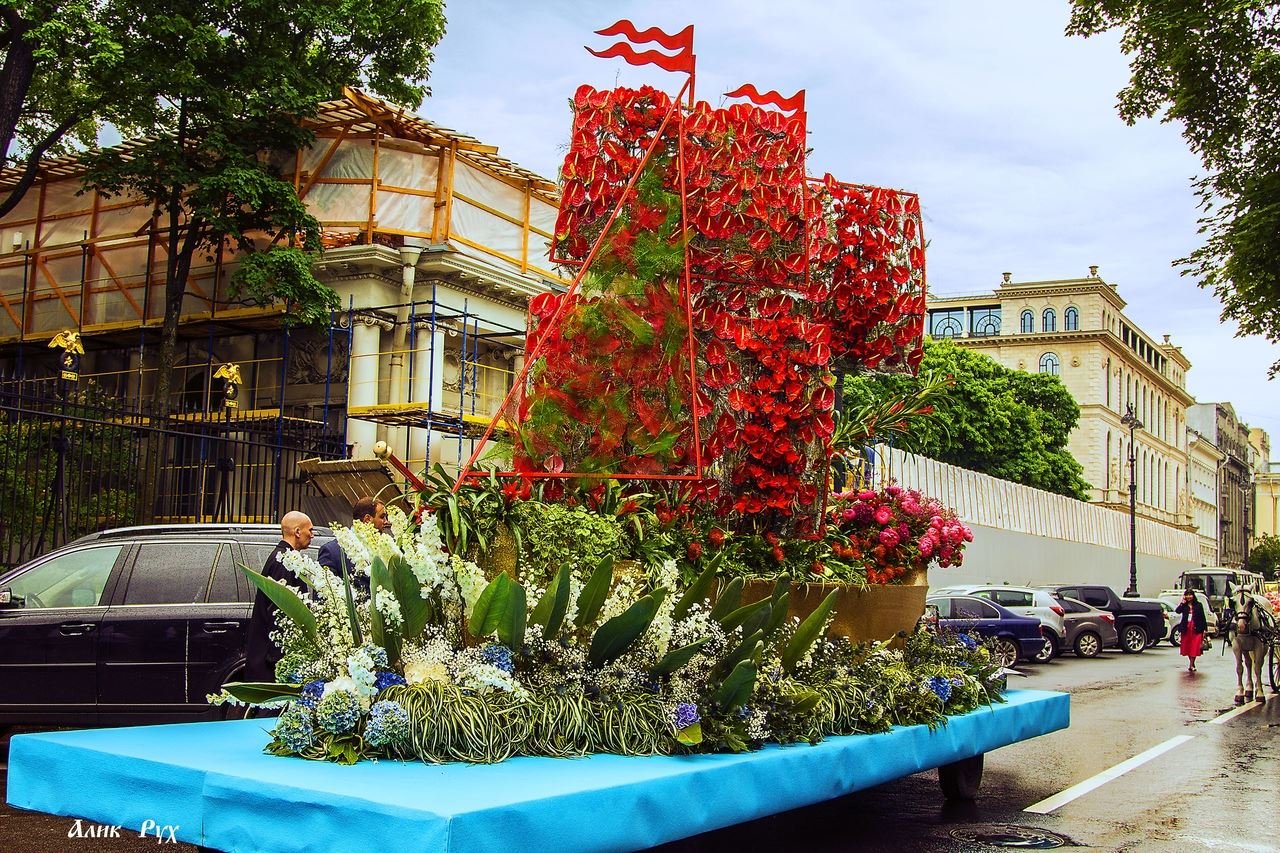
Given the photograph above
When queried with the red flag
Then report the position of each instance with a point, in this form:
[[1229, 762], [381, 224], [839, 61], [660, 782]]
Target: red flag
[[681, 42], [788, 105]]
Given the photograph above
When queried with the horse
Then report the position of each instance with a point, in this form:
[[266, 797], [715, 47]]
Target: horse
[[1251, 619]]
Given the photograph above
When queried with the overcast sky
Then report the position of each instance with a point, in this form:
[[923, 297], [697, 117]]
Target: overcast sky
[[1005, 127]]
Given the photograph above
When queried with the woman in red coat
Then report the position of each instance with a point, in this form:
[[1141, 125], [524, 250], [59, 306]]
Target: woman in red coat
[[1193, 626]]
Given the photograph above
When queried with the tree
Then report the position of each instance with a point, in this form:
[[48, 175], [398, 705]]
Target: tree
[[1264, 556], [229, 84], [1006, 423], [1214, 67]]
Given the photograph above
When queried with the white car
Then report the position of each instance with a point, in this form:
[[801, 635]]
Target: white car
[[1024, 601], [1173, 598]]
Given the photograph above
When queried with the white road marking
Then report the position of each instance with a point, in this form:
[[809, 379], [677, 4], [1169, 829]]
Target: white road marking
[[1234, 712], [1059, 800]]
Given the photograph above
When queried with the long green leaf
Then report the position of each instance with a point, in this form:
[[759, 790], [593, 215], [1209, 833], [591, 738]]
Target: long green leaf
[[593, 595], [380, 577], [749, 648], [808, 632], [677, 658], [352, 617], [288, 601], [617, 634], [742, 614], [512, 623], [256, 692], [414, 609], [778, 615], [490, 607], [550, 611], [736, 689], [697, 592], [728, 600]]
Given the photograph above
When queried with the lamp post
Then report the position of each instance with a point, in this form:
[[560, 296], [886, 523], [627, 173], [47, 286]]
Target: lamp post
[[1131, 421]]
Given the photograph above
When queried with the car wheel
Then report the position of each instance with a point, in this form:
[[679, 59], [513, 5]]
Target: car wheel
[[1175, 637], [1048, 651], [1007, 651], [1088, 645], [962, 779], [1133, 639]]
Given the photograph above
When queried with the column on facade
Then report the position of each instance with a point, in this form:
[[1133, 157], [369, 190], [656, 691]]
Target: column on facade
[[428, 380], [362, 382]]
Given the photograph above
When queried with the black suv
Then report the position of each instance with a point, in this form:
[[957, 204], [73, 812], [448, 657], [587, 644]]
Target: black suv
[[133, 625]]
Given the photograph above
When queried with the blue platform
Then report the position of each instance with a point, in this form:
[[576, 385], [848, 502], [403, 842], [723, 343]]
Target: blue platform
[[213, 782]]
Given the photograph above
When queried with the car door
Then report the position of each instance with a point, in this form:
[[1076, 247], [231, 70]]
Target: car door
[[49, 634], [219, 635], [142, 653]]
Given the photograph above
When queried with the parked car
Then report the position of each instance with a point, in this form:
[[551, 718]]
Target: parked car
[[1024, 601], [1173, 598], [1137, 621], [1089, 630], [1016, 637], [132, 625]]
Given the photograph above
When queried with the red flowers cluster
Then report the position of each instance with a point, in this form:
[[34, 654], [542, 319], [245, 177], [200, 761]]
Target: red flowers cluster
[[894, 531]]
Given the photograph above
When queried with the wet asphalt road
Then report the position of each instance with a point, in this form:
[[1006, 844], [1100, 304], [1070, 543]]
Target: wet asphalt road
[[1217, 791]]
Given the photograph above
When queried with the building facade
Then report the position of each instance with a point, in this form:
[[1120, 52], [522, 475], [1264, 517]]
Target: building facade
[[1076, 329], [1204, 462], [1235, 478]]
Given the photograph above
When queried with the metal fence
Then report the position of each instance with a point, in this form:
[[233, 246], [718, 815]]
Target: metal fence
[[73, 461]]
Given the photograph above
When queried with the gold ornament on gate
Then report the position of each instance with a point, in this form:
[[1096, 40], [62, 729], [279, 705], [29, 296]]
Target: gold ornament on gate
[[230, 372], [72, 348]]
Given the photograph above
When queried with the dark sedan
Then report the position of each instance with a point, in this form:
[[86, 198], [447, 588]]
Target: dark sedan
[[1016, 637]]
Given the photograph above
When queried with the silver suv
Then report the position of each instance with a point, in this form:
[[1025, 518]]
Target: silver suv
[[1024, 601]]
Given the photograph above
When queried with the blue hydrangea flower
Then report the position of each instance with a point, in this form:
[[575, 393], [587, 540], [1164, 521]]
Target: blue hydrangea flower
[[388, 724], [294, 728], [387, 679], [311, 693], [377, 653], [967, 641], [941, 687], [686, 714], [498, 656], [338, 712]]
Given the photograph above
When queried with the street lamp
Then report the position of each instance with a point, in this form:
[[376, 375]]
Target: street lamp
[[1131, 421]]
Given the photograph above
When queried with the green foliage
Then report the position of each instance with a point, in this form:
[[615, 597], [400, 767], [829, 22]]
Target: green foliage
[[284, 273], [808, 632], [617, 634], [287, 600], [1213, 68], [255, 691], [491, 607], [1264, 556], [554, 604], [593, 593], [554, 534], [1006, 423]]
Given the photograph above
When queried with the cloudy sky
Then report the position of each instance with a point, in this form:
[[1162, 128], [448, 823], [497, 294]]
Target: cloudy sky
[[1005, 127]]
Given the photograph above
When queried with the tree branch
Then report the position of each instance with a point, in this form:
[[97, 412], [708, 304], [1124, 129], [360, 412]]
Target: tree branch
[[37, 153]]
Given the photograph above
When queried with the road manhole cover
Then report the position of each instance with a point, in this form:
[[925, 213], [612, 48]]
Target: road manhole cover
[[1006, 835]]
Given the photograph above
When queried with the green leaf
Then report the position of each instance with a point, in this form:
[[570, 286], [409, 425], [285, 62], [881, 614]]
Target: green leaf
[[593, 595], [352, 617], [256, 692], [728, 599], [677, 658], [697, 592], [414, 609], [777, 615], [550, 611], [617, 634], [290, 604], [808, 632], [512, 623], [690, 735], [736, 689], [742, 614], [490, 607], [804, 701], [750, 648], [385, 635]]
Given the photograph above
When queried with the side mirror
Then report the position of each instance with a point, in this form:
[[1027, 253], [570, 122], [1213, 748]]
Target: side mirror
[[6, 598]]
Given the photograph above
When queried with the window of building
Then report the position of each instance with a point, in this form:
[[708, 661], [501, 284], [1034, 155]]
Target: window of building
[[1028, 322], [1071, 320], [1050, 364], [984, 322], [1049, 320], [946, 324]]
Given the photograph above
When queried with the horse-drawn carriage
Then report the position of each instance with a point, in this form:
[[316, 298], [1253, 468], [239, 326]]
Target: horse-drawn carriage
[[1253, 634]]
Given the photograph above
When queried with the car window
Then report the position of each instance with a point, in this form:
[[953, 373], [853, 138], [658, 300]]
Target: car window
[[1072, 606], [76, 579], [967, 609], [225, 587], [1011, 598], [172, 572], [1096, 597]]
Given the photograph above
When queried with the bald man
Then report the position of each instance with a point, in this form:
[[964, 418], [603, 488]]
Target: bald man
[[295, 535]]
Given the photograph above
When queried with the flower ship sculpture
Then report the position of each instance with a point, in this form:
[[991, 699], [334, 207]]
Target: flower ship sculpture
[[674, 432]]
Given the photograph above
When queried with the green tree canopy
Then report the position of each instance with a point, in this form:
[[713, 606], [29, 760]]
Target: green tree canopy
[[1264, 556], [1214, 67], [1006, 423]]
